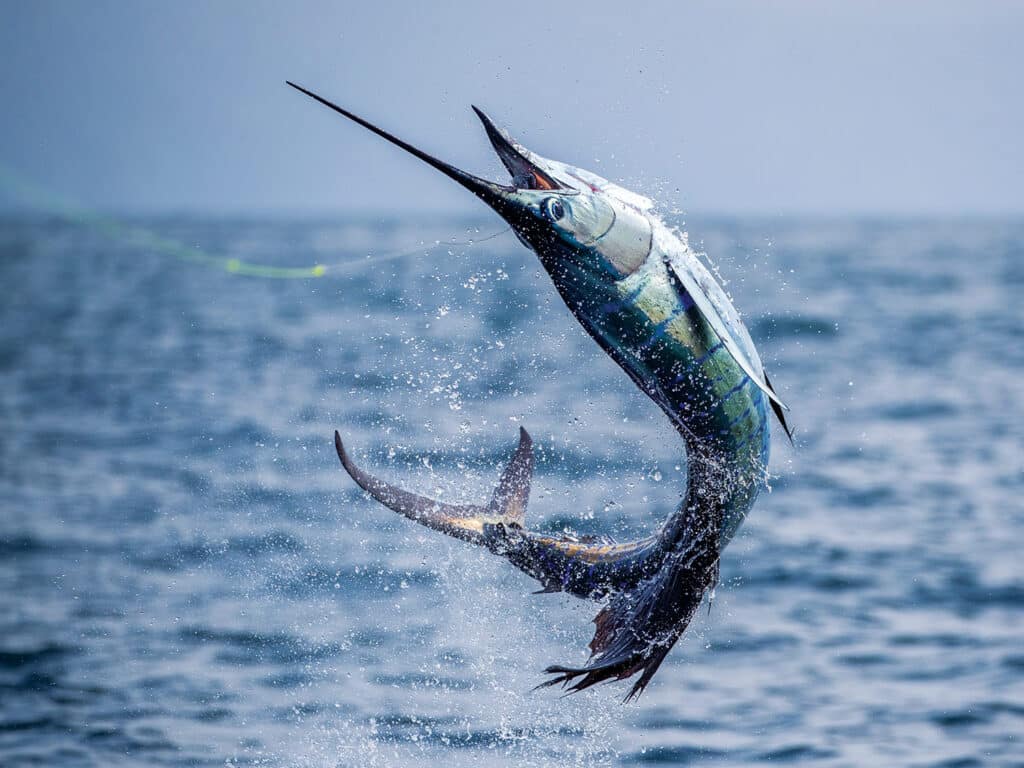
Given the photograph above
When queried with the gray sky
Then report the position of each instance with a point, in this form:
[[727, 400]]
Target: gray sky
[[766, 107]]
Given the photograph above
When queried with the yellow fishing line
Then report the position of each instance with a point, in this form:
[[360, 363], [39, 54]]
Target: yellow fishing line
[[115, 230]]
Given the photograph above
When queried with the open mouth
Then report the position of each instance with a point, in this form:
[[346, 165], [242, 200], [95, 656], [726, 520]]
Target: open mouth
[[525, 175]]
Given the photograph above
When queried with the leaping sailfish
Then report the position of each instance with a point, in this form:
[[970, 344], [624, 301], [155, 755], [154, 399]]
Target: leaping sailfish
[[647, 300]]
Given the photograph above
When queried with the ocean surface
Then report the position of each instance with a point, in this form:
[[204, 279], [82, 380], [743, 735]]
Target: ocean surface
[[187, 577]]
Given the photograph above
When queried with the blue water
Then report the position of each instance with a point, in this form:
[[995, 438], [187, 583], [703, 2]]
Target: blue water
[[188, 578]]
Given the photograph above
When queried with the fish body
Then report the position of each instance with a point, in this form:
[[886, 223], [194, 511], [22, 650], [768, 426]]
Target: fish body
[[649, 324], [642, 294]]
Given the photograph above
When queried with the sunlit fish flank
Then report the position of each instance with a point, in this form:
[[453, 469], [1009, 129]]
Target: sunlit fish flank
[[645, 298]]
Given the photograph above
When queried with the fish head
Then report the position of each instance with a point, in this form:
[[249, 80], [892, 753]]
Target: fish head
[[574, 220], [568, 215]]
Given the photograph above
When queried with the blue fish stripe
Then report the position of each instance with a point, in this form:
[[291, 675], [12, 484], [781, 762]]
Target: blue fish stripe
[[624, 303], [759, 431], [711, 350], [630, 298], [743, 382], [686, 374], [740, 418], [661, 328]]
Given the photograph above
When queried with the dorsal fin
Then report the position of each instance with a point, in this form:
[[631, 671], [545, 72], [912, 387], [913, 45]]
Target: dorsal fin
[[684, 281]]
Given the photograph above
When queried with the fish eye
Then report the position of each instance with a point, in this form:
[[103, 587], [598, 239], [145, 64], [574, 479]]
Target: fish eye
[[553, 209]]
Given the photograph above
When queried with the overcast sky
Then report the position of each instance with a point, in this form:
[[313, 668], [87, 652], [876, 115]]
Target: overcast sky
[[765, 107]]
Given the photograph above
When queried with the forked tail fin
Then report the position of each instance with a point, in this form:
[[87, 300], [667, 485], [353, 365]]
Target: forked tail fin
[[653, 592], [637, 628], [469, 522], [560, 562]]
